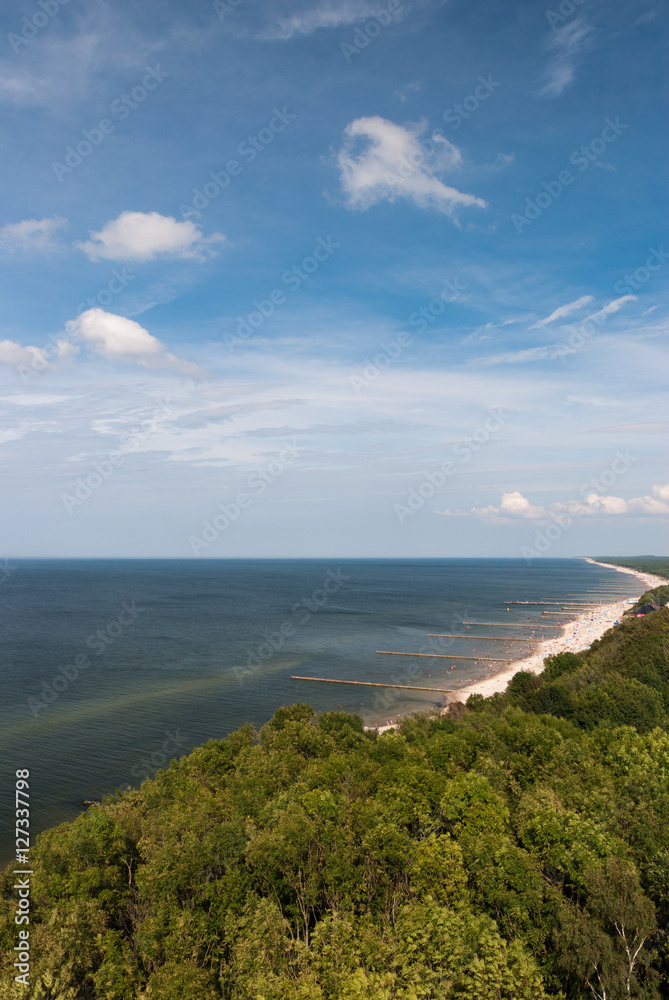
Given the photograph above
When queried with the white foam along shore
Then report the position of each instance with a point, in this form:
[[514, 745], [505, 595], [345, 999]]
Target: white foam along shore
[[575, 636]]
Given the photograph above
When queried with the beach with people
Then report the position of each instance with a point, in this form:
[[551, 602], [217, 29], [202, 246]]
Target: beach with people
[[575, 636]]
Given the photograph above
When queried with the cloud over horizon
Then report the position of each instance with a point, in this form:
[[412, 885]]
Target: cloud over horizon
[[514, 507]]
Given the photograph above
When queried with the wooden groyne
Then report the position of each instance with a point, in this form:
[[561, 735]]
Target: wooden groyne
[[373, 684], [468, 635], [445, 656], [536, 622], [534, 603], [559, 604]]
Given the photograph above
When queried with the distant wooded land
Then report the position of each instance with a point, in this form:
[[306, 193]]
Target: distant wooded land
[[659, 565]]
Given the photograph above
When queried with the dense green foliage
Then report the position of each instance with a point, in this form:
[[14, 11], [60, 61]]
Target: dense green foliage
[[658, 565], [516, 849]]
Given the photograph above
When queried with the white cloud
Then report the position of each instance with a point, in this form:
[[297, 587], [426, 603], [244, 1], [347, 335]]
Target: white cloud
[[514, 507], [34, 399], [609, 309], [331, 14], [657, 504], [567, 43], [394, 164], [66, 63], [563, 311], [117, 338], [12, 353], [591, 401], [596, 504], [550, 352], [411, 88], [517, 505], [480, 334], [11, 435], [145, 235], [31, 234], [546, 353], [35, 358]]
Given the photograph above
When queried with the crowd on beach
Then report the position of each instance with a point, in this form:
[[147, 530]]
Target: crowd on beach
[[574, 636]]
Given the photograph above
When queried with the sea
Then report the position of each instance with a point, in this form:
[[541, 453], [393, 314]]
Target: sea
[[110, 668]]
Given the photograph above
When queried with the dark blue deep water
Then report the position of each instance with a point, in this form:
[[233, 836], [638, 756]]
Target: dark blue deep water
[[110, 667]]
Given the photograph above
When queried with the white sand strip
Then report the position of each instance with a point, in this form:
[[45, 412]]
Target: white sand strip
[[576, 636]]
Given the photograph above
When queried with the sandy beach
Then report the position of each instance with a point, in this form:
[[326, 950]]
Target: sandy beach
[[574, 637]]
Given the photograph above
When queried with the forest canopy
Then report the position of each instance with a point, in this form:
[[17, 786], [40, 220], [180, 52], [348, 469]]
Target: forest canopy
[[516, 848]]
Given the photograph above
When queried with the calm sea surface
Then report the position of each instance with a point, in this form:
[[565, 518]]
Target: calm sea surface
[[111, 667]]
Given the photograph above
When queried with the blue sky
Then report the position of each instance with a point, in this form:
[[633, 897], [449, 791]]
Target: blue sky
[[330, 278]]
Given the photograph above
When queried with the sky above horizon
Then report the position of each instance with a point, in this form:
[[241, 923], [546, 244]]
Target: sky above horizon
[[333, 278]]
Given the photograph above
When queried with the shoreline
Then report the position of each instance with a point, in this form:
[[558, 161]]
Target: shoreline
[[575, 636]]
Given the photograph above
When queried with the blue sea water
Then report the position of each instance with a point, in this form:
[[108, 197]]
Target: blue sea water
[[111, 667]]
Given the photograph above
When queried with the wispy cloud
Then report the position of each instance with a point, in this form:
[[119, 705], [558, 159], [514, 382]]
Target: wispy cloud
[[393, 163], [549, 352], [609, 309], [59, 63], [331, 14], [566, 44], [574, 342], [403, 93], [32, 234], [563, 311]]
